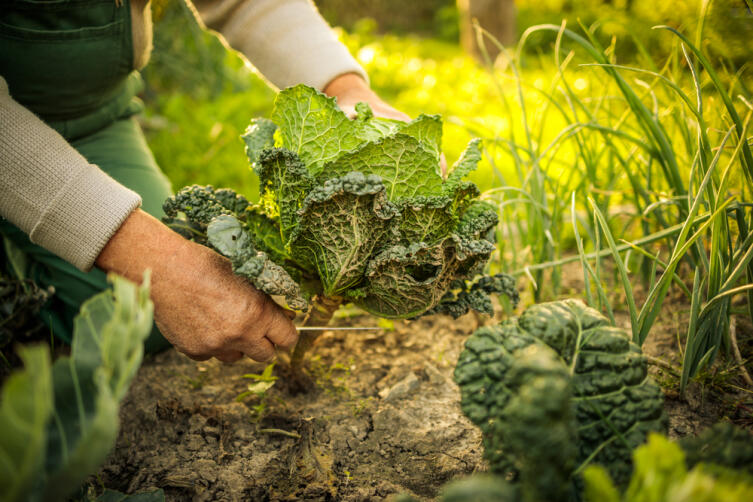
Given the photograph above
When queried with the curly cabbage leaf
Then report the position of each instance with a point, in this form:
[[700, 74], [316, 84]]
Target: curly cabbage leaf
[[406, 165], [230, 238], [341, 224], [201, 204], [284, 182], [465, 296], [313, 127], [259, 135], [614, 402], [406, 281], [361, 204]]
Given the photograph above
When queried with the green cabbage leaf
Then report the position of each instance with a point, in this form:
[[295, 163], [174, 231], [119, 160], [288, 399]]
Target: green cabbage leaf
[[355, 209], [59, 421]]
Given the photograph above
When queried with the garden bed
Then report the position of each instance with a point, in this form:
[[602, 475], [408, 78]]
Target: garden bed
[[384, 418]]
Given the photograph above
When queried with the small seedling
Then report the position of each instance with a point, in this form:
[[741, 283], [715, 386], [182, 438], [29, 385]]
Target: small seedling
[[261, 383]]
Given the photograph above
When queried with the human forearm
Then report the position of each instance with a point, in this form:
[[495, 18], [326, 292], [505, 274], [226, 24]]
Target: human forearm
[[142, 242], [286, 40], [51, 192]]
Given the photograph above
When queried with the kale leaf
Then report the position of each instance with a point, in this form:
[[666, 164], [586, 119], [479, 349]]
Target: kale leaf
[[555, 390], [60, 421]]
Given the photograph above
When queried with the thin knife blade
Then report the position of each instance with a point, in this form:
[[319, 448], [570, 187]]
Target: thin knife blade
[[326, 328]]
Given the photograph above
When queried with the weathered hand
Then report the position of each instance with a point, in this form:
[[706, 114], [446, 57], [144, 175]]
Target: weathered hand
[[200, 305], [350, 89]]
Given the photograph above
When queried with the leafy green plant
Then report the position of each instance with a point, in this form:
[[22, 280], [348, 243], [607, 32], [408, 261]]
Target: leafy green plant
[[554, 391], [60, 420], [661, 475], [350, 211], [566, 406], [261, 383]]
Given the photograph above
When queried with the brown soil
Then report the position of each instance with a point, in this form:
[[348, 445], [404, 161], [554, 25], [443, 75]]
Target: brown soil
[[383, 418]]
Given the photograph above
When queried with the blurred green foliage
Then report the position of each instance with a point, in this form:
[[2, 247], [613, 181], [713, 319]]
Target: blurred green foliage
[[435, 18], [201, 96], [728, 27]]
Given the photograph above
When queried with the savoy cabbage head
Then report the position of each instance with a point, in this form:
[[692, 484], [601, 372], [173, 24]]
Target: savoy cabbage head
[[355, 210]]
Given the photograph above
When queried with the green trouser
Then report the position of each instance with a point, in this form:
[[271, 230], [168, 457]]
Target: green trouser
[[71, 63]]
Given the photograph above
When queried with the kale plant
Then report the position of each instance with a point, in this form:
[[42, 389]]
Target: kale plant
[[555, 390], [568, 413], [350, 211]]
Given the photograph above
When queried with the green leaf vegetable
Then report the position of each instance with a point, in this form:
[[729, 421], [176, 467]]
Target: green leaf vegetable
[[350, 210], [555, 390], [661, 475], [60, 420], [721, 445], [568, 413]]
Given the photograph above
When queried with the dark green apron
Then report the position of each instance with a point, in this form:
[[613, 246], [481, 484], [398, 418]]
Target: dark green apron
[[71, 63]]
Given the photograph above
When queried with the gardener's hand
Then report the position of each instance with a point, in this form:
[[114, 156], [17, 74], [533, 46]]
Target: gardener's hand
[[200, 305], [350, 89]]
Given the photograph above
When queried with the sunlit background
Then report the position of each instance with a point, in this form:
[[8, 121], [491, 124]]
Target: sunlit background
[[562, 138]]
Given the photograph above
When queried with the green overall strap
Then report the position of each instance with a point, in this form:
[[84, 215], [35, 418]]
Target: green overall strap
[[70, 61]]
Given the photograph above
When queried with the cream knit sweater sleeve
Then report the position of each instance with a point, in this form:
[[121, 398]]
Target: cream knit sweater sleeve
[[288, 41], [47, 189]]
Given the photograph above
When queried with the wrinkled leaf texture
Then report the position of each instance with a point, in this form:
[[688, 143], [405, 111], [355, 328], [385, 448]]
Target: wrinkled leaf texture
[[358, 205], [614, 404]]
